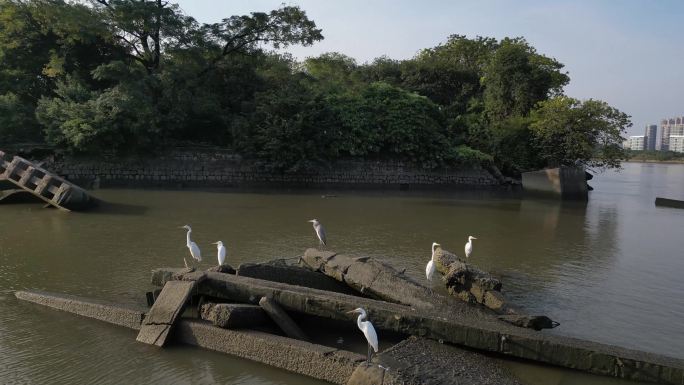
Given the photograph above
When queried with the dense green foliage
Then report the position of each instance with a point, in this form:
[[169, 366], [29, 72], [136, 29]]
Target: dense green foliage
[[130, 76]]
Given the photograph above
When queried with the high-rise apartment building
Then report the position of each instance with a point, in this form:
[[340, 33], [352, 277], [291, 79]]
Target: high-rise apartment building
[[677, 143], [669, 127], [651, 136], [636, 143]]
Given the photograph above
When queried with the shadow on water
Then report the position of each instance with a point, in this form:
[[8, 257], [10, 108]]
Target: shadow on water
[[118, 209]]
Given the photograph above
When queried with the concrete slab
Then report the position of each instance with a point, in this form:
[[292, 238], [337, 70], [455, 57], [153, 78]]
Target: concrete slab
[[279, 271], [166, 309], [297, 356]]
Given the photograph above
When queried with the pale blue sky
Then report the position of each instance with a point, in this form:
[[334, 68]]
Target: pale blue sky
[[628, 52]]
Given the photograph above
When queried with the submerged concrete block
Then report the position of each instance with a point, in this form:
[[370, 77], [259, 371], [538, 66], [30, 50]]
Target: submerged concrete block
[[234, 315], [317, 361], [99, 310], [282, 319], [423, 361], [563, 182]]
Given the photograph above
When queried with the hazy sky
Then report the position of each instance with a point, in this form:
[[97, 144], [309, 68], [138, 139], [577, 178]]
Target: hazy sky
[[626, 52]]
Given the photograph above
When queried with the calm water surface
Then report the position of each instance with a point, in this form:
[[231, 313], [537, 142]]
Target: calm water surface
[[610, 271]]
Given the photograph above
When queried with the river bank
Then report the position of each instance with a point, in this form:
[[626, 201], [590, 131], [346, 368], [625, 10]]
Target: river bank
[[214, 168]]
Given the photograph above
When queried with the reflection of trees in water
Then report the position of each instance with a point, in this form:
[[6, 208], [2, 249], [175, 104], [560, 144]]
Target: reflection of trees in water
[[567, 247]]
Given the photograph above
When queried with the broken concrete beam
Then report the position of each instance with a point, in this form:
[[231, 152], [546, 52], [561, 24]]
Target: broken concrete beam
[[417, 361], [99, 310], [166, 309], [282, 319], [280, 271], [60, 192], [316, 361], [234, 315], [462, 326], [371, 277]]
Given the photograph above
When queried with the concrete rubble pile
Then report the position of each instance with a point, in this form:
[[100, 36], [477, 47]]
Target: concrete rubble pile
[[258, 310]]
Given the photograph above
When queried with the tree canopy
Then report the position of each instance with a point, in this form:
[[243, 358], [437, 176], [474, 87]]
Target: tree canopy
[[133, 76]]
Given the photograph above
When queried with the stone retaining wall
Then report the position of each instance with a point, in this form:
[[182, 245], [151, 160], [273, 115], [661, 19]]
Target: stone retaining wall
[[192, 168]]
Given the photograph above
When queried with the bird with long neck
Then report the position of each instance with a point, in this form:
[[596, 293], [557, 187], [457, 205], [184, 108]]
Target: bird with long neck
[[221, 252], [320, 231], [368, 331], [469, 246], [430, 268], [192, 246]]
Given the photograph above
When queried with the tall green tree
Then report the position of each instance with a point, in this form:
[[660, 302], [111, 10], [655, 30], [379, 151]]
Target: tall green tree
[[40, 41], [516, 78], [175, 73], [568, 130]]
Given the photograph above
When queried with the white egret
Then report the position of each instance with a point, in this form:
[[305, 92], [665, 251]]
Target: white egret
[[221, 252], [430, 268], [368, 330], [192, 246], [320, 231], [469, 246]]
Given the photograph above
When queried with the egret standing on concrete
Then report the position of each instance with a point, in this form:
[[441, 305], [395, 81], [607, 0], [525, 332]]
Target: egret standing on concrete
[[192, 246], [469, 246], [368, 330], [430, 268], [221, 252], [320, 231]]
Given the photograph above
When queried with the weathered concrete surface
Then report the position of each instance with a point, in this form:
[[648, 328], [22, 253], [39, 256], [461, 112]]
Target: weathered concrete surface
[[381, 281], [234, 315], [466, 281], [166, 309], [565, 182], [282, 319], [369, 276], [44, 185], [317, 361], [468, 328], [280, 271], [420, 361], [99, 310], [297, 356]]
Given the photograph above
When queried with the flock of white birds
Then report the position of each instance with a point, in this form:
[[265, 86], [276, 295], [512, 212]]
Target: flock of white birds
[[364, 325], [430, 268]]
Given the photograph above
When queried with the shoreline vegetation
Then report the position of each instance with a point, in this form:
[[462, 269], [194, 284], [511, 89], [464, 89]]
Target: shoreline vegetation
[[655, 157], [138, 77]]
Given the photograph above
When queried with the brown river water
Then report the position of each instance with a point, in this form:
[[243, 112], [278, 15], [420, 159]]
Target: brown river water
[[609, 271]]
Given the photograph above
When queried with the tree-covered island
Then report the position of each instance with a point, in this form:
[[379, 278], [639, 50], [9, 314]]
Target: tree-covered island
[[136, 76]]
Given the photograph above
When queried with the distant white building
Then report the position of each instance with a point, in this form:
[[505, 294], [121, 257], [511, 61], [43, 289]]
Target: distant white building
[[636, 143], [677, 143]]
